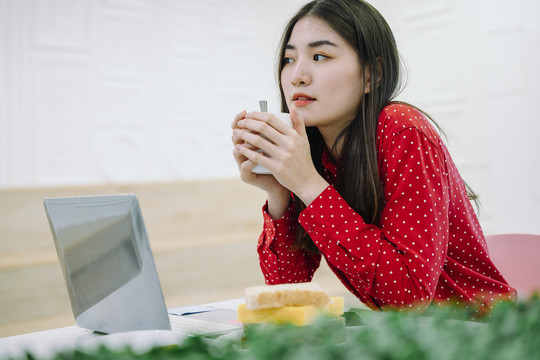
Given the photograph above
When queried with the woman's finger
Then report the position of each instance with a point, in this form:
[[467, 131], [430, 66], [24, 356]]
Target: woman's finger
[[241, 115], [253, 140], [298, 123], [257, 157], [273, 130], [271, 119]]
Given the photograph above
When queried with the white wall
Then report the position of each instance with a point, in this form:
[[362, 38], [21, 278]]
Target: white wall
[[512, 84], [116, 91], [119, 91], [473, 65]]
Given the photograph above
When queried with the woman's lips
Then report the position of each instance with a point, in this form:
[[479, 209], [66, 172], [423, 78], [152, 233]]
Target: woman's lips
[[302, 100]]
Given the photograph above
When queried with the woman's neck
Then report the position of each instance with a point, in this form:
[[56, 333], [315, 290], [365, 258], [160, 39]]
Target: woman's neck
[[330, 136]]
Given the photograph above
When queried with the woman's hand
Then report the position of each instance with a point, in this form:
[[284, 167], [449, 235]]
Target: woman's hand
[[286, 150], [278, 195]]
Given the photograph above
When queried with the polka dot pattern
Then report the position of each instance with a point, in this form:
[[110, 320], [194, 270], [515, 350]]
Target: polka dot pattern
[[278, 263], [428, 247]]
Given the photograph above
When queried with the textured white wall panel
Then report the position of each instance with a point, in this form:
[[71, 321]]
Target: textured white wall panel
[[504, 61], [511, 53], [122, 46], [121, 91], [60, 23], [59, 89], [121, 155], [121, 104], [5, 132]]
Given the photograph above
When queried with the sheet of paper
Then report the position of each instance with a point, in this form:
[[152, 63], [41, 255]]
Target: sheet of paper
[[190, 309], [228, 304]]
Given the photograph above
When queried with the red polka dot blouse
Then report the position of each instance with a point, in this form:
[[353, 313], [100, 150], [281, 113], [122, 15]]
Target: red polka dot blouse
[[428, 247]]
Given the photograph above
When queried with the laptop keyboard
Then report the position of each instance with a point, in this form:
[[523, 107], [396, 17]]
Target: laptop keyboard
[[194, 326]]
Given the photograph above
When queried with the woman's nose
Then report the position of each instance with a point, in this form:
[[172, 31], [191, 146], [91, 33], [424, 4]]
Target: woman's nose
[[301, 74]]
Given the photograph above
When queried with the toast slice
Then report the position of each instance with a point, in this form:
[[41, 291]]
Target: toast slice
[[277, 296]]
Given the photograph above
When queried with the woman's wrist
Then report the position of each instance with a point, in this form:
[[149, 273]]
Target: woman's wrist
[[312, 190], [278, 203]]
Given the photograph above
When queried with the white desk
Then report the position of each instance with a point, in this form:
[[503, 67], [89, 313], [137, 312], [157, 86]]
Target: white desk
[[44, 344]]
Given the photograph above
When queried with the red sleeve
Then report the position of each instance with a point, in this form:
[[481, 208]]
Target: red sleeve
[[279, 262], [397, 263]]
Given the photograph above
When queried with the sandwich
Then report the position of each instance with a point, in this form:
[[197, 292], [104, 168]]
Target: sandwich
[[298, 304]]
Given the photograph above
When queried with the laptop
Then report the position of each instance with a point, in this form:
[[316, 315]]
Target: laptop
[[109, 269]]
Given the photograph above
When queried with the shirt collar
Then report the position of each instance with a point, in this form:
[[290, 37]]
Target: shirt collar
[[329, 163]]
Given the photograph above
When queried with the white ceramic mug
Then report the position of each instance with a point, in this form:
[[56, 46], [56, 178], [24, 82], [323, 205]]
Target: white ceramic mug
[[286, 118]]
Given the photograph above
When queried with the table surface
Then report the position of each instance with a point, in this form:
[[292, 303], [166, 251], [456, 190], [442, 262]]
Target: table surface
[[44, 344]]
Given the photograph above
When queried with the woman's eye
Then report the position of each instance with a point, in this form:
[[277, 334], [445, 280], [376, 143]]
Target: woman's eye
[[319, 57], [287, 60]]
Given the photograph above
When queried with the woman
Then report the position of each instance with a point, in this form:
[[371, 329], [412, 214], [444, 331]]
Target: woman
[[361, 180]]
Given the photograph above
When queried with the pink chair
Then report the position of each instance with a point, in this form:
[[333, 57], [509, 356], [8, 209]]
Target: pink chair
[[517, 256]]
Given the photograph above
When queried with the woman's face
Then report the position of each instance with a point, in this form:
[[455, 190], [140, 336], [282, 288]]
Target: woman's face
[[322, 76]]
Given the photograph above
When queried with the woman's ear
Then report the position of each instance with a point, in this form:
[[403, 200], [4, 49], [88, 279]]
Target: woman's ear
[[369, 78]]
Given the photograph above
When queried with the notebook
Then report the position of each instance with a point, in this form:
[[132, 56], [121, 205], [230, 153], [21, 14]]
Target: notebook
[[109, 269]]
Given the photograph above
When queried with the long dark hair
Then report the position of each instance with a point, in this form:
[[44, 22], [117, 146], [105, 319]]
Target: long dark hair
[[366, 31]]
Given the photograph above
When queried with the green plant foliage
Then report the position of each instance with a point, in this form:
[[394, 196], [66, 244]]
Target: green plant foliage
[[511, 331]]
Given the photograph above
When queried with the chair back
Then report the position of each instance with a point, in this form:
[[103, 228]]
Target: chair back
[[517, 256]]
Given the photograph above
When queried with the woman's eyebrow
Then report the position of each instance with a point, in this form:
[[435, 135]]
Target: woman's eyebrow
[[318, 43], [314, 44]]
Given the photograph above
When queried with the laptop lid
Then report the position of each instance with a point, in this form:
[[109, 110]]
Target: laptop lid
[[107, 263]]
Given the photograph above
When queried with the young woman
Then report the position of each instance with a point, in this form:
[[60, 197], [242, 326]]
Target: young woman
[[361, 180]]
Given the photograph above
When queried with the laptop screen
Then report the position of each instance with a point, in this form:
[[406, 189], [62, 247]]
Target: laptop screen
[[107, 263]]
